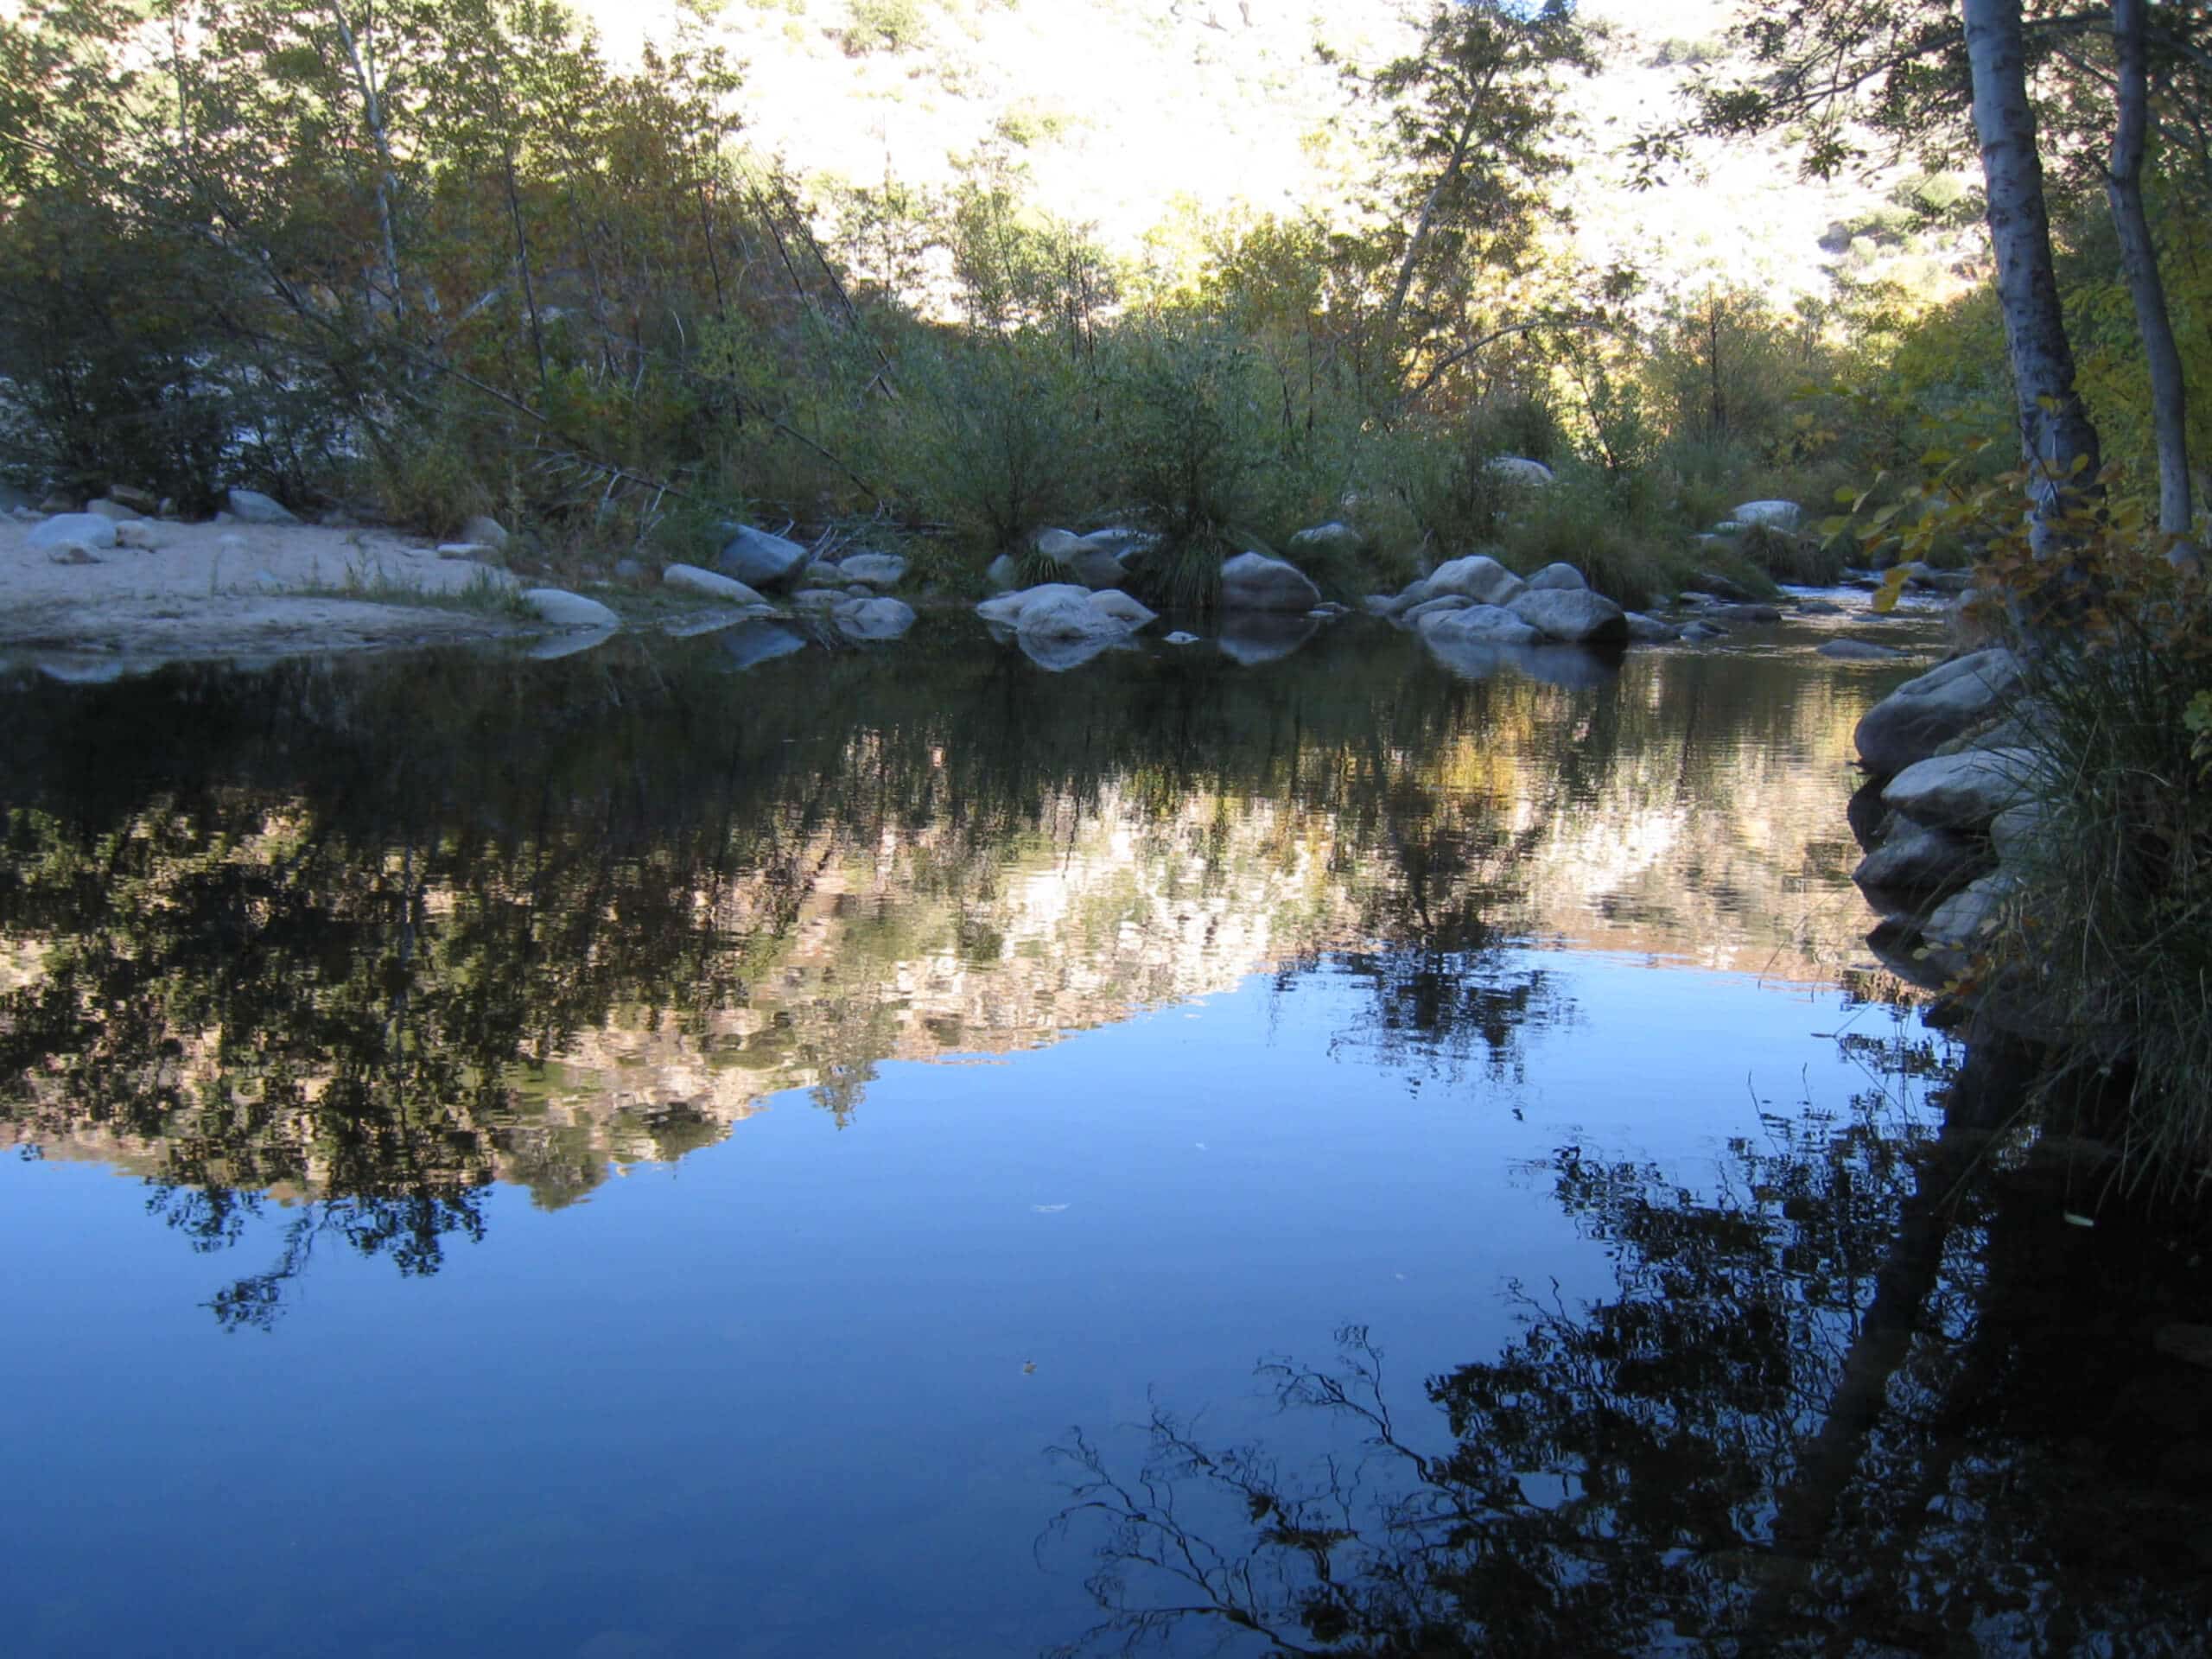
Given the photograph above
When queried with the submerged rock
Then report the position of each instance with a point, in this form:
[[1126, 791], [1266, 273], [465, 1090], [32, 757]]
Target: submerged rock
[[1253, 581], [1921, 715], [1920, 860], [874, 619], [1573, 618], [1490, 623], [1859, 650], [1650, 630]]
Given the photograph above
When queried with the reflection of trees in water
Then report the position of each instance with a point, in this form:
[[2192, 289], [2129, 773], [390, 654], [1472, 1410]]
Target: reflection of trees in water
[[1834, 1405], [321, 935]]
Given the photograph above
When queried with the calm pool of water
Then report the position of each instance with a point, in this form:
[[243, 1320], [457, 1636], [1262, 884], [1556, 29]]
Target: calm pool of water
[[691, 1150]]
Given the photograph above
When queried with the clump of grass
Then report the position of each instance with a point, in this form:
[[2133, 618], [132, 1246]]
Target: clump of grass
[[2115, 933], [484, 593], [1183, 576]]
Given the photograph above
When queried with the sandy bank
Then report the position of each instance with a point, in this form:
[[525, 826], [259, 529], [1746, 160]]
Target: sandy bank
[[249, 591]]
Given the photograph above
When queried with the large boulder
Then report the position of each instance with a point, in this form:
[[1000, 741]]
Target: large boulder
[[691, 579], [1558, 578], [1253, 581], [253, 507], [2017, 834], [484, 530], [1332, 537], [1518, 469], [1067, 615], [1964, 791], [1922, 716], [873, 619], [1131, 614], [1413, 616], [1005, 610], [761, 560], [1574, 618], [114, 511], [85, 530], [1920, 860], [1479, 577], [1488, 623], [1769, 515], [1964, 921], [563, 609], [1095, 564]]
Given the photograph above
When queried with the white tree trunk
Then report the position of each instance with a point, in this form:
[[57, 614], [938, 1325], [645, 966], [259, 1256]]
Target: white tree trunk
[[2057, 442], [2138, 258], [387, 183]]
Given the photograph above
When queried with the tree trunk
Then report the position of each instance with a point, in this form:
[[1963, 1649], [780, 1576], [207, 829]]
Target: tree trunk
[[387, 183], [2138, 258], [1420, 235], [2057, 442]]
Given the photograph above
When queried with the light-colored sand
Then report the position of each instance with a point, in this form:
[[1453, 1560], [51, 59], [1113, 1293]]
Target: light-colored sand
[[250, 591]]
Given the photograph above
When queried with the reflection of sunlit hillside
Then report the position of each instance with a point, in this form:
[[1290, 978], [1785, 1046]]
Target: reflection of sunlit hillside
[[266, 995]]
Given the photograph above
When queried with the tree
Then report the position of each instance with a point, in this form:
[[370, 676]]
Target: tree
[[1474, 115], [1924, 73]]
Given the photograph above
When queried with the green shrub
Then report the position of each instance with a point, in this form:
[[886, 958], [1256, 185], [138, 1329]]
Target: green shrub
[[1578, 522], [1194, 449]]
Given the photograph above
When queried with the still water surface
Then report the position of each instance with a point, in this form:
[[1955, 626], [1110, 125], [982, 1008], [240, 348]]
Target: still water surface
[[687, 1151]]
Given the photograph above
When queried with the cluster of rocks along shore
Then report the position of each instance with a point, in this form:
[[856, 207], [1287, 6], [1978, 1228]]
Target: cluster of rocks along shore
[[1951, 814], [1467, 611]]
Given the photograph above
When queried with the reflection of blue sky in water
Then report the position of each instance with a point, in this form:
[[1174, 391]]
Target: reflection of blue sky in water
[[773, 1400]]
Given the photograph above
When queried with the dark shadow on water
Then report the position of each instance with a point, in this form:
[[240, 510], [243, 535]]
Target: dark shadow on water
[[1875, 1390]]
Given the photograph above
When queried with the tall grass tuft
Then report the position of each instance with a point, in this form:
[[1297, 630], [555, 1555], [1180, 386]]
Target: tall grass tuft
[[2116, 932]]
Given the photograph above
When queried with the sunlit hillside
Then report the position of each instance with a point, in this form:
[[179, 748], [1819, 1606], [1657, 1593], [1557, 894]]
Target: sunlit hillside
[[1144, 120]]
